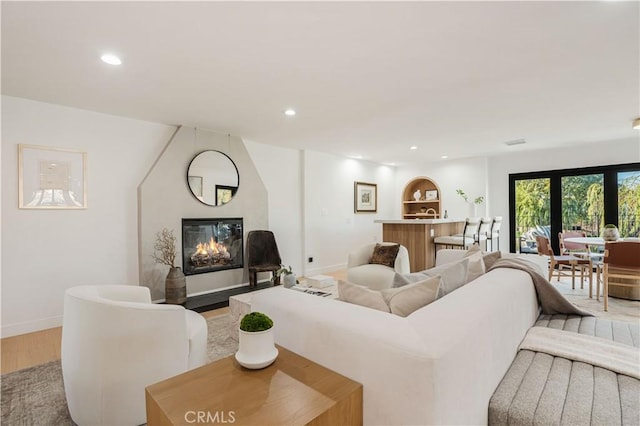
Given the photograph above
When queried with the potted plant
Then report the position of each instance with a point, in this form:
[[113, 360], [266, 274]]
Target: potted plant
[[164, 252], [610, 233], [256, 348], [288, 277]]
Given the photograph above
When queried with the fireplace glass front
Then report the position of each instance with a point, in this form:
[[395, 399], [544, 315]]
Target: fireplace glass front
[[210, 245]]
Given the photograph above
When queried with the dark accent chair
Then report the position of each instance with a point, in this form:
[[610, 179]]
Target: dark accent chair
[[262, 256]]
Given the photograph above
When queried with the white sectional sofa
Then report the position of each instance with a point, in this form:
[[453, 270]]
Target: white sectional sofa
[[439, 365]]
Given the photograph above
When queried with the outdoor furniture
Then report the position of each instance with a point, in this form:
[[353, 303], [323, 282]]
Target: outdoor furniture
[[565, 261], [621, 266]]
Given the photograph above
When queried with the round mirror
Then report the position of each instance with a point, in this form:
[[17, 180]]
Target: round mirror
[[213, 178]]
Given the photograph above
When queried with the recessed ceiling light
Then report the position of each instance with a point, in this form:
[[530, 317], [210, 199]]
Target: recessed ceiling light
[[289, 112], [111, 59], [444, 157], [413, 148], [636, 124]]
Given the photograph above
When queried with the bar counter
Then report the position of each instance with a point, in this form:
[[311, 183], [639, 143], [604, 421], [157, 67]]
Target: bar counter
[[417, 236]]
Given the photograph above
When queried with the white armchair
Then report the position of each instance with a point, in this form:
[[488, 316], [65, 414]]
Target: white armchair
[[115, 342], [376, 277]]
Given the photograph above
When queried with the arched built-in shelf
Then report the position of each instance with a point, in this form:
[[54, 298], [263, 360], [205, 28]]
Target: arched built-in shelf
[[428, 206]]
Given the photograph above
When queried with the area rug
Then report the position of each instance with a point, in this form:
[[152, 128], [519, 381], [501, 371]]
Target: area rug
[[35, 395]]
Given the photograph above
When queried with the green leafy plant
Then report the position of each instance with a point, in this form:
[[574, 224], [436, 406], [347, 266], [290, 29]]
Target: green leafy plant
[[255, 321], [477, 200], [282, 271]]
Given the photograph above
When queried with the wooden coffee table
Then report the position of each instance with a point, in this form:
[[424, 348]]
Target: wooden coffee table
[[291, 391]]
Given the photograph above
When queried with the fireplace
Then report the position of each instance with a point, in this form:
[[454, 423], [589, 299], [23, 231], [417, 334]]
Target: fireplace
[[210, 245]]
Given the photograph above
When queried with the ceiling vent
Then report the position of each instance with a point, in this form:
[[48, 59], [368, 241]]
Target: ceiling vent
[[515, 142]]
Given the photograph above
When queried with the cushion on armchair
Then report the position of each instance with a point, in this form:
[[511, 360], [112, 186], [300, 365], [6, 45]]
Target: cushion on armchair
[[385, 254]]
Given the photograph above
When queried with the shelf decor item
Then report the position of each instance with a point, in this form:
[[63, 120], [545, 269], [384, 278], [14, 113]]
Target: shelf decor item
[[365, 197], [164, 252], [256, 348]]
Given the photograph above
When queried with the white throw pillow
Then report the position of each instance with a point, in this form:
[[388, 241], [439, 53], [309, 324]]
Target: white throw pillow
[[476, 263], [409, 298], [361, 295], [453, 276]]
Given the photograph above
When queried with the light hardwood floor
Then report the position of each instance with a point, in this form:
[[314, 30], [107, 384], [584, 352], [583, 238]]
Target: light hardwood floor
[[26, 350]]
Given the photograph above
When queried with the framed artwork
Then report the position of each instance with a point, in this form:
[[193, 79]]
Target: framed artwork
[[224, 194], [365, 197], [195, 183], [51, 178], [431, 195]]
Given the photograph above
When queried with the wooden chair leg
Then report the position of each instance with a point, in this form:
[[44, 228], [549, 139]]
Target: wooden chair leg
[[606, 293], [253, 277], [573, 277]]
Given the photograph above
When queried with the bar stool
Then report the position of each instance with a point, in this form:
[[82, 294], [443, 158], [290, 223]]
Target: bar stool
[[466, 239], [494, 235]]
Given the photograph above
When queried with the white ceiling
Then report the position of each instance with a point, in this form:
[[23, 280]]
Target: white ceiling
[[455, 78]]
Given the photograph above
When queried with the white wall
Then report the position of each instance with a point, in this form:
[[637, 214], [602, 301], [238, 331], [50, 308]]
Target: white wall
[[469, 174], [282, 174], [592, 154], [45, 252], [332, 229]]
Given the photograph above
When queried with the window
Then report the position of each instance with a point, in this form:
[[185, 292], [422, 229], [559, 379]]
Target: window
[[548, 202]]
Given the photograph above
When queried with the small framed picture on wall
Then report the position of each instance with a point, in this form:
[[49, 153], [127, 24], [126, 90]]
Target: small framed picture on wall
[[365, 197]]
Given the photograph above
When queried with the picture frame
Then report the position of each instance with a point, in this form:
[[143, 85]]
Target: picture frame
[[431, 195], [195, 184], [51, 178], [224, 194], [365, 197]]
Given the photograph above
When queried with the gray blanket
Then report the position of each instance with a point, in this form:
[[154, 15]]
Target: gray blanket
[[549, 298], [546, 390]]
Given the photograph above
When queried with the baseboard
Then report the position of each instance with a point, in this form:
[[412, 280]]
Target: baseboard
[[9, 330]]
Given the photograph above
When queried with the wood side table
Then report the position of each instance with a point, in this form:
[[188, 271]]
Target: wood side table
[[291, 391]]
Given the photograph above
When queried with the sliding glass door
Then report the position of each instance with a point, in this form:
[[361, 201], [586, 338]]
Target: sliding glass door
[[532, 213], [629, 203], [549, 202]]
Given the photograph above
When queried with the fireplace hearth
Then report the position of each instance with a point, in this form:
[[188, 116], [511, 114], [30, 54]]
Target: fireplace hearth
[[210, 245]]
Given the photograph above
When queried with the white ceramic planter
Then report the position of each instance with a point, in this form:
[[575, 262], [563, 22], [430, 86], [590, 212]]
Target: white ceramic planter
[[256, 349], [289, 280]]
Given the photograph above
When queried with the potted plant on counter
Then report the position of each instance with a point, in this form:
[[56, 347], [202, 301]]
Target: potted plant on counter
[[256, 347], [164, 252]]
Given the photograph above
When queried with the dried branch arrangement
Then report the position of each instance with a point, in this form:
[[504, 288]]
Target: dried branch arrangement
[[165, 247]]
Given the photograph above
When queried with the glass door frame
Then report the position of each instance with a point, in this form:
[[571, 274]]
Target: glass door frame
[[610, 177]]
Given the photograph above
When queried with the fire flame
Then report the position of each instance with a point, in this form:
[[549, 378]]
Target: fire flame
[[209, 248]]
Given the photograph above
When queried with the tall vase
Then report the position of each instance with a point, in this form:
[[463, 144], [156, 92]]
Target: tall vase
[[472, 210], [175, 287]]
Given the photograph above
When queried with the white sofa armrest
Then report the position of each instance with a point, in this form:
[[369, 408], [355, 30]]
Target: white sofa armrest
[[360, 256]]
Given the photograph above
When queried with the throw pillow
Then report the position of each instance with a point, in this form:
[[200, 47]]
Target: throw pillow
[[385, 254], [361, 295], [453, 276], [404, 300], [490, 258], [476, 264]]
